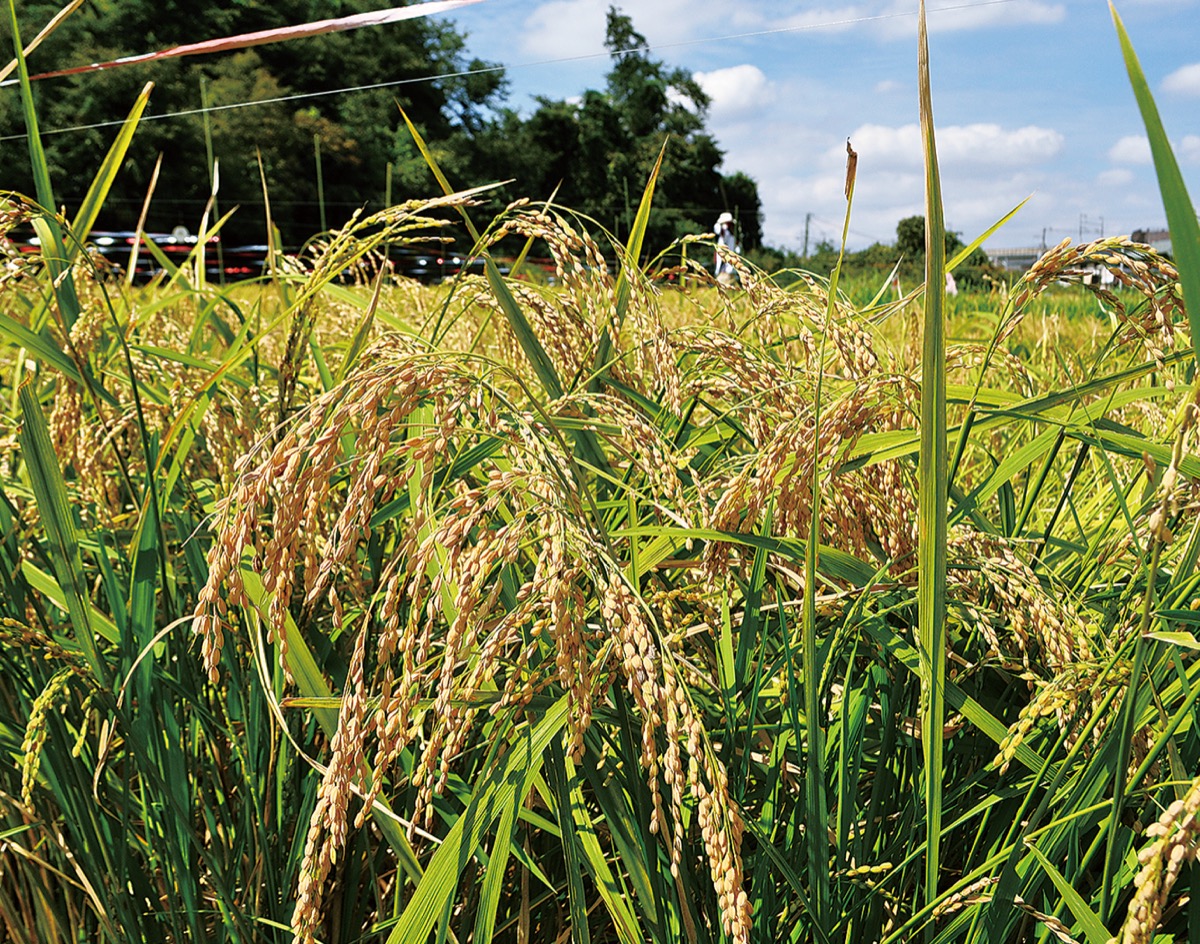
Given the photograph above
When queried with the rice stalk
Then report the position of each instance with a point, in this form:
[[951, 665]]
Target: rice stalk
[[933, 477]]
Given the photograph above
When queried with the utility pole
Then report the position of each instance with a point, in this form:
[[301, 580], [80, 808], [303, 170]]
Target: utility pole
[[212, 172], [1087, 225], [807, 221], [320, 181], [628, 218]]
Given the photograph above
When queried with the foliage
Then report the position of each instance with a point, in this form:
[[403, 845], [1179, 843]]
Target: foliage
[[595, 154], [494, 612], [904, 261], [975, 270], [360, 132], [1040, 616]]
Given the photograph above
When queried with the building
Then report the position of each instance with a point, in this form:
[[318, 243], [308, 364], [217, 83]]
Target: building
[[1022, 259], [1157, 239], [1015, 260]]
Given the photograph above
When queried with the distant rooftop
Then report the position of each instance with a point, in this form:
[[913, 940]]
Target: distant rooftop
[[1015, 259], [1022, 257], [1157, 239]]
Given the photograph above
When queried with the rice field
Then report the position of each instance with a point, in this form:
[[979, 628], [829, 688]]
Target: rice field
[[339, 608]]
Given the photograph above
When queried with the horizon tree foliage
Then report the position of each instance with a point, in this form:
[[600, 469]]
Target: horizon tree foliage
[[906, 256], [595, 154], [598, 152], [359, 132], [974, 271]]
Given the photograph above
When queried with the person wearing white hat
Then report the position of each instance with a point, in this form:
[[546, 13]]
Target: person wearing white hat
[[724, 272]]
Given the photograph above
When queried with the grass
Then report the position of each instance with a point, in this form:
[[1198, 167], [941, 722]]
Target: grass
[[602, 612]]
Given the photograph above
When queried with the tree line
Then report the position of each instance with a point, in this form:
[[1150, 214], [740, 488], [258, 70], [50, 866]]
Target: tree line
[[904, 259], [324, 156]]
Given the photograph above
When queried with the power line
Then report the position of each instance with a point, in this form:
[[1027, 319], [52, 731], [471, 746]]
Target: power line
[[262, 37], [830, 223], [598, 211], [801, 28], [395, 83]]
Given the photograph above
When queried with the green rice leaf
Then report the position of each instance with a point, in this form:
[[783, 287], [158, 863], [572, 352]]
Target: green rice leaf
[[47, 586], [113, 160], [54, 23], [1092, 926], [58, 523], [959, 700], [610, 890], [49, 231], [495, 873], [363, 332], [505, 785], [37, 155], [629, 262], [1181, 214], [311, 682], [963, 254], [1184, 640], [834, 562], [41, 346], [530, 345], [561, 775], [932, 474]]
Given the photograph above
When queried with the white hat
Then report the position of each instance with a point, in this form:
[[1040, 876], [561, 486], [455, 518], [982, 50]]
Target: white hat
[[724, 218]]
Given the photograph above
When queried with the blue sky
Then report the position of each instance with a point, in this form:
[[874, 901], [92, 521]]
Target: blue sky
[[1030, 97]]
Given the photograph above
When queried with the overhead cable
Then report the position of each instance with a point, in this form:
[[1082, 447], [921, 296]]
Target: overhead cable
[[395, 83]]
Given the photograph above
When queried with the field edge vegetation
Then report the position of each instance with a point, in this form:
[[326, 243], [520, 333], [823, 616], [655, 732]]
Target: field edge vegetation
[[632, 608]]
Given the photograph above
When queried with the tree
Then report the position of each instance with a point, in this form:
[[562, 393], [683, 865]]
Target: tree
[[598, 153], [741, 192], [910, 236], [910, 242], [359, 132]]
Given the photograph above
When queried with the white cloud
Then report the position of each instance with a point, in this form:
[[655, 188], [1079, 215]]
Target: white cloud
[[783, 105], [991, 144], [1115, 177], [897, 18], [981, 16], [834, 19], [983, 145], [1184, 81], [885, 146], [986, 171], [576, 27], [563, 28], [1131, 149], [1135, 149], [736, 90]]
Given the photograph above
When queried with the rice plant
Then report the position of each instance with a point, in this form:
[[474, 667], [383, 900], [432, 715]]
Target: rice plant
[[605, 611]]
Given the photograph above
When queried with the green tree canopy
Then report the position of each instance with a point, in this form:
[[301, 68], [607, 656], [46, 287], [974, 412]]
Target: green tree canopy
[[598, 152], [910, 242], [910, 238], [360, 132]]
